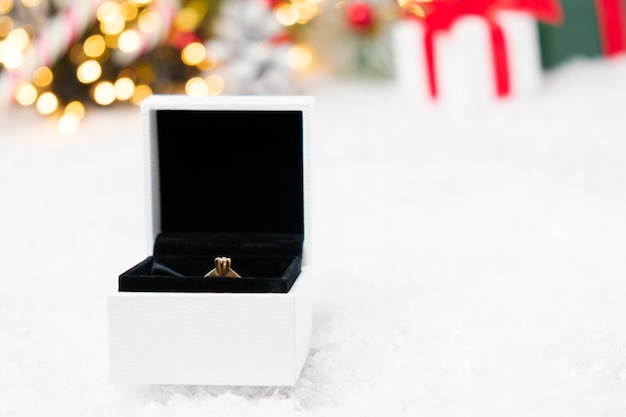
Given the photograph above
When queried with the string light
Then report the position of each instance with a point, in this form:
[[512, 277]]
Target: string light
[[94, 46], [196, 86], [26, 93], [47, 103], [287, 14], [122, 28], [124, 88], [42, 77], [141, 93], [30, 3], [70, 121], [129, 41], [89, 71], [300, 57], [6, 25], [215, 85], [193, 54], [6, 6]]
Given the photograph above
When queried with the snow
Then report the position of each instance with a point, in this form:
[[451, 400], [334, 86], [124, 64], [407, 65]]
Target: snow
[[467, 263]]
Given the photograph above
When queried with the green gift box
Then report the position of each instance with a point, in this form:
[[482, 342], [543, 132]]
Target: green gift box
[[590, 28]]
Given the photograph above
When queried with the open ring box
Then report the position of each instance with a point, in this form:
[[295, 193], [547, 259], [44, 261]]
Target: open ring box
[[227, 176]]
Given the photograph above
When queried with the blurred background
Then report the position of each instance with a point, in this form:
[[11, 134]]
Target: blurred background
[[61, 57], [468, 191]]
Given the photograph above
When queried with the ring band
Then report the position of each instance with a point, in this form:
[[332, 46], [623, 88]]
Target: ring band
[[222, 269]]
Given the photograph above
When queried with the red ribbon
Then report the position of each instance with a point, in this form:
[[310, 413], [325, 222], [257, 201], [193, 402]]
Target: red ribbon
[[441, 14], [612, 23]]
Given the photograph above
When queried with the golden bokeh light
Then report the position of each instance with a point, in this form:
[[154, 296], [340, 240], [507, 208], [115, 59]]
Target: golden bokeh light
[[196, 86], [216, 84], [75, 108], [47, 103], [149, 22], [141, 2], [141, 93], [30, 3], [111, 41], [207, 64], [18, 38], [76, 54], [287, 14], [129, 41], [3, 49], [124, 88], [89, 71], [6, 6], [193, 54], [11, 57], [307, 10], [104, 93], [113, 25], [108, 9], [6, 26], [129, 10], [94, 46], [300, 57], [42, 77], [25, 93], [68, 124], [187, 19]]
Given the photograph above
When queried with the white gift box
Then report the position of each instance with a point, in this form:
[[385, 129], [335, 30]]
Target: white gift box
[[463, 60], [227, 176]]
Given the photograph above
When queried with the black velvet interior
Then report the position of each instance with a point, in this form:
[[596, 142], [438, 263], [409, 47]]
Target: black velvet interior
[[230, 171], [230, 184]]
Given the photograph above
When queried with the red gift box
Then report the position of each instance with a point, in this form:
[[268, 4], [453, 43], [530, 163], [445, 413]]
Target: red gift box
[[437, 16]]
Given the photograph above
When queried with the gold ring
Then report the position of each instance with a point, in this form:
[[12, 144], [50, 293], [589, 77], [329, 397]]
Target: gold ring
[[222, 269]]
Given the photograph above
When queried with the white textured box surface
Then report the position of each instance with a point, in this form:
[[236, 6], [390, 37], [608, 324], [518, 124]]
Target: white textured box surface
[[210, 338]]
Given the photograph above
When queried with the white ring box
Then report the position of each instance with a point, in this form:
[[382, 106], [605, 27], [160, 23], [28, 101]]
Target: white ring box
[[227, 176]]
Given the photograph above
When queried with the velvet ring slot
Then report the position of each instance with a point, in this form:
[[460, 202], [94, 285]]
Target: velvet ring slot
[[185, 273]]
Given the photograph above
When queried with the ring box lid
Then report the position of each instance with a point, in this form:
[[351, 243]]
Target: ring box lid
[[228, 168]]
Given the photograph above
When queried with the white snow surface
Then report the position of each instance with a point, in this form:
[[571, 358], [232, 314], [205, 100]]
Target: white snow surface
[[466, 263]]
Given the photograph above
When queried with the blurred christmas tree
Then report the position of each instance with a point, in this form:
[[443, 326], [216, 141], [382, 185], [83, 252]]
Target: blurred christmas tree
[[62, 56], [350, 38]]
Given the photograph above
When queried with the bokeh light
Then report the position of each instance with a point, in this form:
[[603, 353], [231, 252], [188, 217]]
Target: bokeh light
[[124, 88], [11, 57], [300, 57], [89, 71], [42, 77], [76, 108], [94, 46], [6, 6], [215, 84], [287, 14], [68, 124], [47, 103], [30, 3], [141, 93], [18, 38], [104, 93], [149, 22], [193, 54], [187, 19], [196, 86], [25, 93], [6, 26], [129, 41]]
